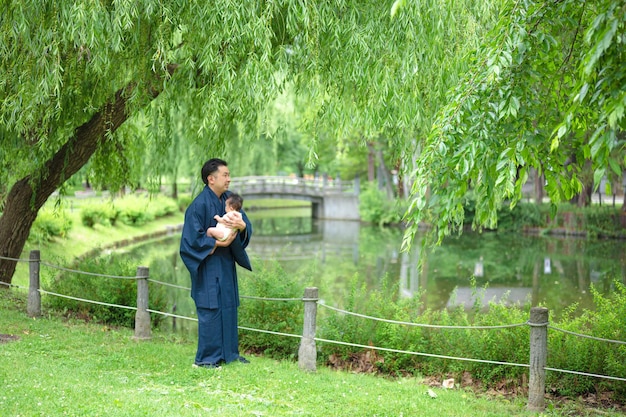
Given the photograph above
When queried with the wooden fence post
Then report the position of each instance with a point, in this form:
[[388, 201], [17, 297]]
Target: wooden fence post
[[538, 358], [33, 308], [307, 353], [142, 317]]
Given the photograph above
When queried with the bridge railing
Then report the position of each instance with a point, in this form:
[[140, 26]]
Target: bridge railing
[[315, 186]]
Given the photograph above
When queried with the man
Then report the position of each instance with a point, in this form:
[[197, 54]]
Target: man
[[211, 264]]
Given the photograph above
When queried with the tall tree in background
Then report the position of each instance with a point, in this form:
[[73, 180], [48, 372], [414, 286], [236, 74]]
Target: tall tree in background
[[547, 91], [73, 72]]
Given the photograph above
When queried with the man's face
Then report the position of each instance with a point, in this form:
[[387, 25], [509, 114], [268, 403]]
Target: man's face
[[219, 180]]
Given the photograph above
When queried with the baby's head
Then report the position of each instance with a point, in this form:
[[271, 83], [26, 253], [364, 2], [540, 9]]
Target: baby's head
[[234, 202]]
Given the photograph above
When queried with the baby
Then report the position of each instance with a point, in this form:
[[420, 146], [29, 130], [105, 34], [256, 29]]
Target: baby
[[234, 202]]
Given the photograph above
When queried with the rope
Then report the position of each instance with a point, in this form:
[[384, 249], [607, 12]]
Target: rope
[[86, 301], [13, 286], [239, 327], [433, 355], [16, 259], [434, 326], [171, 315], [87, 273], [587, 336], [270, 332], [251, 297], [169, 285], [585, 374]]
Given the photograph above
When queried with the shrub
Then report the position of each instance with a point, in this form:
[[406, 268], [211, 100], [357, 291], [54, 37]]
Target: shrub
[[567, 351], [603, 221], [134, 210], [375, 207], [509, 344], [522, 215], [184, 201], [161, 206], [101, 288], [103, 213], [50, 224], [271, 281]]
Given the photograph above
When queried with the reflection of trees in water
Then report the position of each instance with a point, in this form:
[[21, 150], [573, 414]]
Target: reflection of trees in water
[[554, 271], [283, 226]]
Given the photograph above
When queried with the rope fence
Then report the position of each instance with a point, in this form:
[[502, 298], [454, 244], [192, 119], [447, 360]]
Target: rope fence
[[538, 324]]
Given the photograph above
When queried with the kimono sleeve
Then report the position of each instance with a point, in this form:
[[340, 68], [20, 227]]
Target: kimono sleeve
[[238, 246], [195, 245]]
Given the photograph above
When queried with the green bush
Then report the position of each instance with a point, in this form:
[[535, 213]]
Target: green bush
[[184, 201], [134, 210], [50, 223], [523, 215], [103, 288], [509, 344], [375, 207], [271, 281], [603, 221], [568, 351], [162, 206], [103, 213]]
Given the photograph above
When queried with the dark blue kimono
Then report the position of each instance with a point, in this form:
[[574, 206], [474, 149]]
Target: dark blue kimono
[[214, 287]]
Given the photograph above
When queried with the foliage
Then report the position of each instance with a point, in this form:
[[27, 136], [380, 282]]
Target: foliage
[[510, 219], [123, 92], [594, 221], [103, 213], [107, 280], [183, 201], [50, 223], [603, 221], [132, 210], [270, 281], [546, 90], [568, 351], [376, 208], [508, 344], [448, 342]]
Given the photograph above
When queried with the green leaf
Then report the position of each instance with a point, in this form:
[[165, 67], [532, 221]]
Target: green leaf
[[598, 174], [615, 167]]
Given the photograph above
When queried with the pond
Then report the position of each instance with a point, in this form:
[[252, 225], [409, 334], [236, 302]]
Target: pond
[[550, 271]]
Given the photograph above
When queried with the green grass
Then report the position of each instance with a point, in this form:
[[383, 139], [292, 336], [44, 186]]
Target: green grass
[[73, 368]]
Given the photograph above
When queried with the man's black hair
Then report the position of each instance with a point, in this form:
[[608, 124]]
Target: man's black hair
[[211, 166]]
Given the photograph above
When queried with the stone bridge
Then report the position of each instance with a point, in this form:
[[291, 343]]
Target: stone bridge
[[330, 199]]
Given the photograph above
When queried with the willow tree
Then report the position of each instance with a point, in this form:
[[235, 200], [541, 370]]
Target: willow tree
[[73, 73], [546, 91]]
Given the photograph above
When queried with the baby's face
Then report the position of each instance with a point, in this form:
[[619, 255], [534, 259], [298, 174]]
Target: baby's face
[[229, 208]]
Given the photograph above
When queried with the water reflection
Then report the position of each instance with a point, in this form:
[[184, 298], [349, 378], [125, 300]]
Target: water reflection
[[554, 272]]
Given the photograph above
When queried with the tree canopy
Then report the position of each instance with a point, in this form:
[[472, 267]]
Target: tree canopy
[[73, 74], [546, 90]]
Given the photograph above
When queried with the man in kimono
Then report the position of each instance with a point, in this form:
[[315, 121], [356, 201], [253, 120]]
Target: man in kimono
[[211, 264]]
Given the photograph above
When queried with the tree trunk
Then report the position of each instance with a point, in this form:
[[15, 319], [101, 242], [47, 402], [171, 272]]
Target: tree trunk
[[371, 163], [30, 193], [539, 188]]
